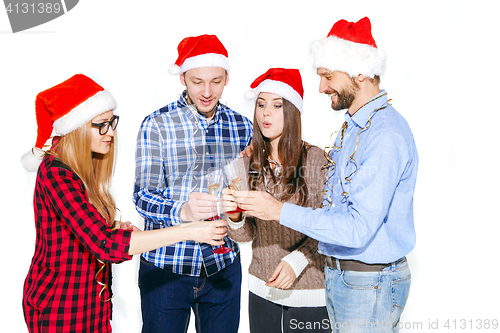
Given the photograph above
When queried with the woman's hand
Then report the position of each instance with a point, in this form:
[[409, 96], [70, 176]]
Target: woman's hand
[[210, 232], [228, 203], [128, 226], [283, 276], [259, 204]]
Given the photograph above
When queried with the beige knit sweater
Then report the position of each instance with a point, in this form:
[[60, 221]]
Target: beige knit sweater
[[272, 242]]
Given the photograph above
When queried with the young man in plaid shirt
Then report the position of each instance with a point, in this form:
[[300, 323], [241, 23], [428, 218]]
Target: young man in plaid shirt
[[175, 147]]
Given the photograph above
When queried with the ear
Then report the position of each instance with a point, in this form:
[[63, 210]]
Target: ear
[[183, 79], [361, 78], [227, 79]]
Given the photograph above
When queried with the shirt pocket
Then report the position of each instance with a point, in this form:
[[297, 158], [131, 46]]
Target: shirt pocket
[[43, 290]]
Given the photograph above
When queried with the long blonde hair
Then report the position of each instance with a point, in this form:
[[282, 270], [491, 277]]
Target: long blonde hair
[[95, 170]]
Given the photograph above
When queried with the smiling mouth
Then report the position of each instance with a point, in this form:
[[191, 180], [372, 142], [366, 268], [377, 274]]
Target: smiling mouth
[[205, 101], [331, 94]]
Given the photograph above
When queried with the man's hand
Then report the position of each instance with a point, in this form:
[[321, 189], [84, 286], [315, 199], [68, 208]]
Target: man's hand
[[259, 204], [282, 277], [200, 206], [247, 151]]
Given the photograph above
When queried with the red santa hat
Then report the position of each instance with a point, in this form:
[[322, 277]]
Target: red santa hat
[[284, 82], [200, 51], [64, 108], [349, 47]]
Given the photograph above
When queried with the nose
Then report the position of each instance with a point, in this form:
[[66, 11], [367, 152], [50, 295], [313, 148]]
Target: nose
[[323, 86], [111, 132], [207, 90], [267, 111]]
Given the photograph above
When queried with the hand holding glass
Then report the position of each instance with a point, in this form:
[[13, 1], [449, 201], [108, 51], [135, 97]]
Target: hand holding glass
[[214, 185], [234, 175]]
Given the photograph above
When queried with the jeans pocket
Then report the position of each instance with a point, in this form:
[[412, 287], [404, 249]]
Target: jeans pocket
[[328, 279], [399, 292], [361, 280]]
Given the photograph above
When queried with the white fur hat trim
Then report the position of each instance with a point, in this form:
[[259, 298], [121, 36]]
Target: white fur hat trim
[[199, 61], [101, 102], [337, 54], [278, 88]]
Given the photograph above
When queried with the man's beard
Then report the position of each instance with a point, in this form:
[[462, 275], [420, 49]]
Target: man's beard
[[344, 98]]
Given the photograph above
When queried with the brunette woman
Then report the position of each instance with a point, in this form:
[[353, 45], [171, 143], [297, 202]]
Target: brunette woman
[[68, 284], [286, 279]]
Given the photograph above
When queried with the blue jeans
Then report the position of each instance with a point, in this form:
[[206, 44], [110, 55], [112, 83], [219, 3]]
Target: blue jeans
[[167, 299], [367, 301]]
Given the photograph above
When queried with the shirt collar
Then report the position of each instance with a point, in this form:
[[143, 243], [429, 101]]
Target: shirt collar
[[193, 114], [362, 116]]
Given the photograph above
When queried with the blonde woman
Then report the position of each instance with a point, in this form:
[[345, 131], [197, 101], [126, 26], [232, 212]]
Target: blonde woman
[[68, 284]]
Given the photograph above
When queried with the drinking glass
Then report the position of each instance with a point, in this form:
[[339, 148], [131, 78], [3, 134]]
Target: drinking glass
[[214, 177], [234, 175]]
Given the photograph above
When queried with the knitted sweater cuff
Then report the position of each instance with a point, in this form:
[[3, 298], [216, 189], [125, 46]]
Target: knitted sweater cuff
[[236, 225], [298, 261]]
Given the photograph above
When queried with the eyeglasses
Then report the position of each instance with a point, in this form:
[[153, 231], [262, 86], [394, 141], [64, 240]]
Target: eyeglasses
[[104, 126]]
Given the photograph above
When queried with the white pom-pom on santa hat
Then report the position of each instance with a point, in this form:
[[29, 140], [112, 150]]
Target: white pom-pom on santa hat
[[250, 95], [174, 70], [32, 159]]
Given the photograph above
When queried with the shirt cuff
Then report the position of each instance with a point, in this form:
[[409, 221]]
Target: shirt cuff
[[298, 261], [116, 246], [176, 212]]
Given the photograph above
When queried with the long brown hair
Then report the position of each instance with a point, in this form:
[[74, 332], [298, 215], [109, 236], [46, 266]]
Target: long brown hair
[[95, 170], [292, 152]]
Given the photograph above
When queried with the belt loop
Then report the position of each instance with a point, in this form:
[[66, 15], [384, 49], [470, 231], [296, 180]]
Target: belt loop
[[337, 261], [393, 266]]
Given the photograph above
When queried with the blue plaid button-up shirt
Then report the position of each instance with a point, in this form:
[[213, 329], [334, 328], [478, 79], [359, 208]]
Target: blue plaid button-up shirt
[[175, 147]]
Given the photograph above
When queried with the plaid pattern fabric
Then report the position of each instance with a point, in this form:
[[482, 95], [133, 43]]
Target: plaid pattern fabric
[[175, 148], [61, 292]]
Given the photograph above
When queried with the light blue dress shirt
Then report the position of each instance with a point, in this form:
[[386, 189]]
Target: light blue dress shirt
[[370, 217]]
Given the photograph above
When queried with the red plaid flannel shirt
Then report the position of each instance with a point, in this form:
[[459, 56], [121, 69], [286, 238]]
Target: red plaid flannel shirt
[[61, 293]]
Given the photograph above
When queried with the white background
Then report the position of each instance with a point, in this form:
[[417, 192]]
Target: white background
[[442, 75]]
